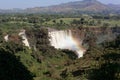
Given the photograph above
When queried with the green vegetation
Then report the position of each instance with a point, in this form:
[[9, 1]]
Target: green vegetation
[[44, 62], [18, 21]]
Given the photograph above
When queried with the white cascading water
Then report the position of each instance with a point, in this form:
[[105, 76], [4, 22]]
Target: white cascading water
[[6, 38], [65, 40], [24, 38]]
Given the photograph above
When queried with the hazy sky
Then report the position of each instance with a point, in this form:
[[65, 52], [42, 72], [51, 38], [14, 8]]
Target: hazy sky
[[8, 4]]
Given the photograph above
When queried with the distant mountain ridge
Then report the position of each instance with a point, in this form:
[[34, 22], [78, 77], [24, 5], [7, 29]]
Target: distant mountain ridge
[[85, 5], [115, 7], [92, 6]]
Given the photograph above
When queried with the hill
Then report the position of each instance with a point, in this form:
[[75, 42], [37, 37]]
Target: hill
[[72, 7], [85, 6]]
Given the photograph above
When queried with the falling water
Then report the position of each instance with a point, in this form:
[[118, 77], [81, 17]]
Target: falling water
[[65, 40], [6, 38], [24, 38]]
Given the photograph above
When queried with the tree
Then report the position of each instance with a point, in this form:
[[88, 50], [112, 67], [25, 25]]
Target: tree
[[61, 21], [11, 68], [109, 65], [82, 21], [54, 21]]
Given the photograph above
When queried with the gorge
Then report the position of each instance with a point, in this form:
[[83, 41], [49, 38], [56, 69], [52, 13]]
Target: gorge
[[76, 40]]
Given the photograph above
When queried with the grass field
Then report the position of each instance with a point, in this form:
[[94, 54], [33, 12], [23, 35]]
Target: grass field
[[112, 23]]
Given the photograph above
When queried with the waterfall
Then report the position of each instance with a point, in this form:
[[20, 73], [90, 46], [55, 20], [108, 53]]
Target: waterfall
[[6, 38], [24, 38], [65, 40]]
